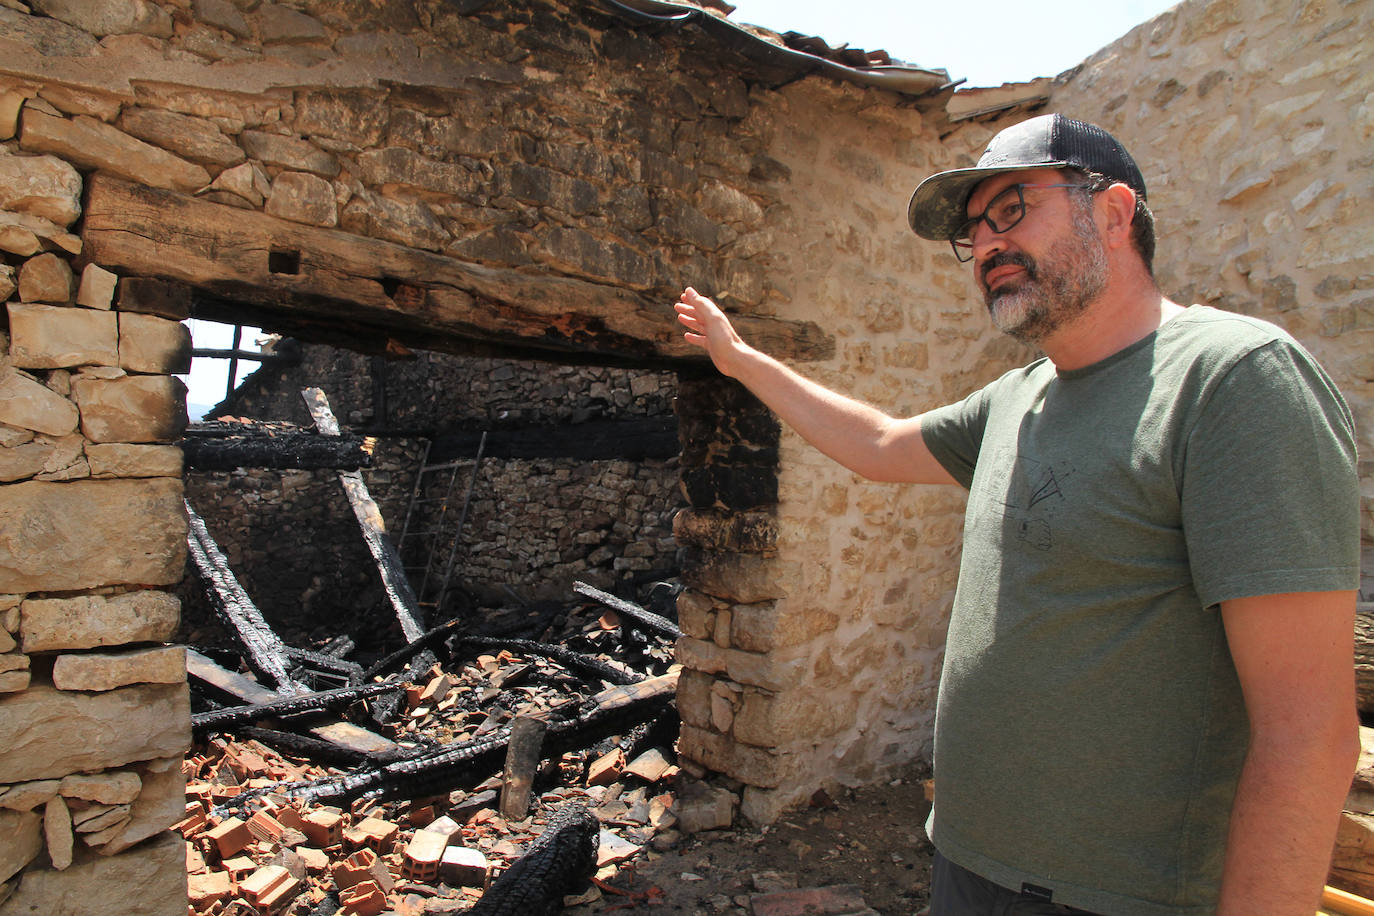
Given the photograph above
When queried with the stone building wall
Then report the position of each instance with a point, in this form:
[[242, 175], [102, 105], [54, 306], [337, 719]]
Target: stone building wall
[[93, 703], [1252, 122]]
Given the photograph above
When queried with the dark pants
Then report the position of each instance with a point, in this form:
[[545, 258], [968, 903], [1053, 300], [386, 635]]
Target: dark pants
[[956, 891]]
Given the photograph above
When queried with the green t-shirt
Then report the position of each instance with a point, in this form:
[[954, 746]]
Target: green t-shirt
[[1090, 728]]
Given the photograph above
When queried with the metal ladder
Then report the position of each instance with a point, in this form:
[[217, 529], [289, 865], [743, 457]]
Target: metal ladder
[[432, 551]]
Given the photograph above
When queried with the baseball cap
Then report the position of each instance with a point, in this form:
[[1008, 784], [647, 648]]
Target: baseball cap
[[1052, 141]]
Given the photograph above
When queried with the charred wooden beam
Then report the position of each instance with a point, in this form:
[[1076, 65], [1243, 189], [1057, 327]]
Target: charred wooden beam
[[315, 749], [264, 652], [324, 665], [382, 289], [389, 566], [429, 772], [288, 706], [585, 665], [344, 734], [215, 451], [560, 862], [637, 615], [627, 440]]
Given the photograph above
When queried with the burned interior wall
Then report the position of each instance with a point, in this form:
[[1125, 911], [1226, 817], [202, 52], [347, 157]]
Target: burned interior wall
[[535, 524]]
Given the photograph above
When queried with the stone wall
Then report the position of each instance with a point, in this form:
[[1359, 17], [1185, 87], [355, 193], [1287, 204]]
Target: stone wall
[[93, 704], [1252, 122]]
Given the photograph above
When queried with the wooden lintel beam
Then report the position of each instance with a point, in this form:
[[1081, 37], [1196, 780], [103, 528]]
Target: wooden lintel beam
[[321, 273]]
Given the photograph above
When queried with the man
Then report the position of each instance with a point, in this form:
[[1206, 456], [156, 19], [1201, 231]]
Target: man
[[1147, 702]]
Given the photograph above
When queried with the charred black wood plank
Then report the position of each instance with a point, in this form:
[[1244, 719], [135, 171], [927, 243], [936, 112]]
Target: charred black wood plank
[[645, 619], [315, 749], [627, 440], [303, 451], [264, 652], [430, 772], [351, 673], [585, 665], [288, 706], [389, 566], [344, 734], [560, 862]]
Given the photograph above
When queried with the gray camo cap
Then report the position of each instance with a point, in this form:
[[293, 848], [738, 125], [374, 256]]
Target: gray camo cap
[[1052, 141]]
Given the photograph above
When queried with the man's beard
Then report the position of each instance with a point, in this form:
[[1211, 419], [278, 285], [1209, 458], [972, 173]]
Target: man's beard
[[1072, 275]]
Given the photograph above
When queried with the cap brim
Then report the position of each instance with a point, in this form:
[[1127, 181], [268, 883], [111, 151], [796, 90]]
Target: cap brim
[[937, 207]]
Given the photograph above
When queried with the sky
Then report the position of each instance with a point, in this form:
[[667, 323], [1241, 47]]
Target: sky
[[1008, 42]]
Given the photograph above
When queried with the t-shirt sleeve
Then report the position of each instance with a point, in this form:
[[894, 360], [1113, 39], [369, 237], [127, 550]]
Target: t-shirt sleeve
[[1270, 492], [954, 434]]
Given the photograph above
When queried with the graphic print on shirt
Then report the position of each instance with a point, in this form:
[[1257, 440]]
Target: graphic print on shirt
[[1033, 496]]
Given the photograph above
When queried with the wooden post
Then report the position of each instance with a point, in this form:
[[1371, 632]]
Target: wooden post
[[522, 759]]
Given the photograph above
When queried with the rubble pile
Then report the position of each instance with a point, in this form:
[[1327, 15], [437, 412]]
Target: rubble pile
[[273, 827]]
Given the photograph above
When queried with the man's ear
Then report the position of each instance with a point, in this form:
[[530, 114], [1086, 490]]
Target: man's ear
[[1117, 202]]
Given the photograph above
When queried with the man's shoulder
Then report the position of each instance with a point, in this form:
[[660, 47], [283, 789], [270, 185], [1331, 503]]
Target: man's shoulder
[[1216, 328]]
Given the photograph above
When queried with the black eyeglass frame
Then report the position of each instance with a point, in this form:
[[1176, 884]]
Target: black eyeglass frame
[[964, 252]]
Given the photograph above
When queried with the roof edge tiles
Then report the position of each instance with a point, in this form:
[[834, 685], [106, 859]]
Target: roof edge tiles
[[896, 76]]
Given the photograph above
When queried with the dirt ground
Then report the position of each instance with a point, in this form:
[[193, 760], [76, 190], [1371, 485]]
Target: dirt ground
[[872, 837]]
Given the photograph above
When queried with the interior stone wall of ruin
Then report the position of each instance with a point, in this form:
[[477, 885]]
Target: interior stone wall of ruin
[[534, 525]]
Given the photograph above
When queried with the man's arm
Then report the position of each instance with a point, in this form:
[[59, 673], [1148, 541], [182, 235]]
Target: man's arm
[[863, 439], [1294, 654]]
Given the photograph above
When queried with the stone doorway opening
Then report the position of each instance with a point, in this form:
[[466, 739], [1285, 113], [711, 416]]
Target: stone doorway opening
[[506, 478]]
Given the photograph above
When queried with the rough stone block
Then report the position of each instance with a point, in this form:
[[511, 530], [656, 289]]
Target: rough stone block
[[46, 278], [136, 408], [756, 766], [109, 17], [222, 14], [59, 337], [21, 838], [160, 804], [14, 681], [51, 733], [21, 462], [190, 137], [41, 186], [738, 578], [9, 282], [11, 103], [148, 882], [112, 788], [700, 806], [151, 344], [247, 182], [90, 533], [357, 116], [89, 621], [303, 198], [283, 25], [403, 222], [57, 832], [155, 297], [119, 459], [28, 404], [109, 670], [93, 144], [97, 287], [289, 153], [29, 795]]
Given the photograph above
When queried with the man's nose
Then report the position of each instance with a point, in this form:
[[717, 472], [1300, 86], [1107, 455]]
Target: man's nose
[[986, 241]]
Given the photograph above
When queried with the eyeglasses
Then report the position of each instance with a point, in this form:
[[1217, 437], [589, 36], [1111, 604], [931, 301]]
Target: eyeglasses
[[1004, 211]]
